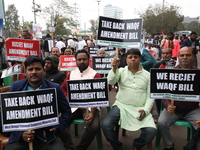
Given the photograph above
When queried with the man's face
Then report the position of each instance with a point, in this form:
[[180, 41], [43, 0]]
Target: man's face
[[86, 48], [170, 36], [55, 51], [166, 54], [25, 35], [185, 57], [193, 37], [133, 61], [82, 61], [68, 52], [101, 53], [48, 65], [34, 73]]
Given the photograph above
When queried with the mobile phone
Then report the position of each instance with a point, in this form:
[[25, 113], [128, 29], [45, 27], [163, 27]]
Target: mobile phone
[[140, 114]]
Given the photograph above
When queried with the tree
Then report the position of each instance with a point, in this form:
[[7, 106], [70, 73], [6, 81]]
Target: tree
[[193, 26], [12, 22], [59, 15], [158, 18], [94, 26]]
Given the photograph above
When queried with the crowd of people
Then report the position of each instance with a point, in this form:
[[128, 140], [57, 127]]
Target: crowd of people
[[133, 107]]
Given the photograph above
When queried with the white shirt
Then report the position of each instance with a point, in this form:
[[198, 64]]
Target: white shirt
[[60, 45]]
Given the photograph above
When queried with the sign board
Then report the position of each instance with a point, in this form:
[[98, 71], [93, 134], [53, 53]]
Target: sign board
[[16, 69], [119, 33], [109, 51], [68, 63], [175, 84], [102, 65], [88, 93], [29, 110], [20, 49]]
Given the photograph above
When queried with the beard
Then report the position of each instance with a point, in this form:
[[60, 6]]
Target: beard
[[82, 67]]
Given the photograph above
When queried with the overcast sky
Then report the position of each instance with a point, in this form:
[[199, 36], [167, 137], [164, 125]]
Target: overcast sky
[[89, 8]]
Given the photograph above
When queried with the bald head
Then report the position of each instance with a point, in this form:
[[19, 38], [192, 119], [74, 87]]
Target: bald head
[[186, 57]]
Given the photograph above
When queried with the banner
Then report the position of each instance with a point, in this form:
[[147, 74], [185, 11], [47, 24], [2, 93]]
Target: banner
[[119, 33], [101, 65], [29, 110], [20, 49], [37, 31], [68, 63], [88, 93], [109, 51], [175, 84], [16, 69]]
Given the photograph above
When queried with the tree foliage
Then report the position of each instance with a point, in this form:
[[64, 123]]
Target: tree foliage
[[94, 26], [59, 15], [158, 17], [191, 26], [12, 22]]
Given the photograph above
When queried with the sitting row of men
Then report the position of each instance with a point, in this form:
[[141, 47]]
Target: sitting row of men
[[131, 109]]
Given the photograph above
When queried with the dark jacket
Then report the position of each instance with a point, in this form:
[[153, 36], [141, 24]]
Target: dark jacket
[[188, 43], [63, 107], [55, 75]]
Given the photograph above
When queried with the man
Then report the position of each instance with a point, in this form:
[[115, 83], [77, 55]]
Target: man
[[26, 34], [68, 51], [166, 63], [122, 57], [194, 43], [3, 62], [85, 47], [18, 140], [132, 107], [46, 47], [173, 44], [70, 42], [92, 119], [60, 44], [81, 43], [188, 111], [52, 72], [55, 51], [147, 60], [166, 60]]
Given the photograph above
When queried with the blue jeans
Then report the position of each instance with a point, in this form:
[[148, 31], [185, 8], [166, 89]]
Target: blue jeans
[[109, 123]]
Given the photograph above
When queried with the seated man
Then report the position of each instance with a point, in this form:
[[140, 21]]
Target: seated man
[[52, 72], [92, 119], [132, 107], [44, 138], [188, 111]]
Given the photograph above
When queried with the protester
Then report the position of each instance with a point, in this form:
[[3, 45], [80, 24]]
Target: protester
[[60, 44], [55, 51], [173, 44], [122, 57], [26, 34], [81, 43], [3, 61], [68, 51], [70, 42], [92, 119], [46, 47], [52, 72], [192, 41], [132, 112], [101, 52], [147, 60], [185, 110], [18, 140]]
